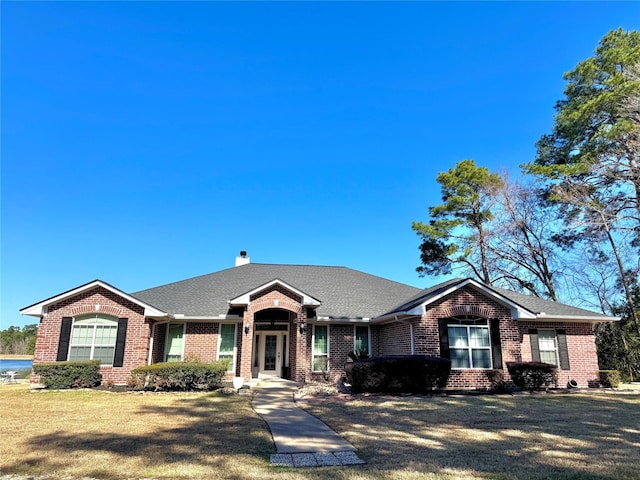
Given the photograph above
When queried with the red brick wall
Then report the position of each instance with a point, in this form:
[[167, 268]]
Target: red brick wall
[[96, 300], [467, 301], [201, 341], [581, 344], [340, 344], [395, 339]]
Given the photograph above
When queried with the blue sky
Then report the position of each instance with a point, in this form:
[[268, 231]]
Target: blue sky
[[145, 143]]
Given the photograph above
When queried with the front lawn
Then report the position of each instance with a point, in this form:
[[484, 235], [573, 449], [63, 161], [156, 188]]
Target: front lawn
[[76, 434]]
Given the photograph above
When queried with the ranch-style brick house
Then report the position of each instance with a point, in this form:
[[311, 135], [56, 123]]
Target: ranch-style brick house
[[300, 322]]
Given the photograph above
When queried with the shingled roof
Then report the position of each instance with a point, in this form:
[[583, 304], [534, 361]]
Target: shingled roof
[[343, 292]]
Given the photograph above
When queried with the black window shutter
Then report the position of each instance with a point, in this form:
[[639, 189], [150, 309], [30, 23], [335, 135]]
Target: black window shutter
[[65, 337], [121, 338], [444, 338], [563, 352], [535, 347], [496, 347]]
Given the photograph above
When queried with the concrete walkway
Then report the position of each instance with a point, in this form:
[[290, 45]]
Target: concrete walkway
[[301, 439]]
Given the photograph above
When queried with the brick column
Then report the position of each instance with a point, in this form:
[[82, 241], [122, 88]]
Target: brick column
[[245, 346]]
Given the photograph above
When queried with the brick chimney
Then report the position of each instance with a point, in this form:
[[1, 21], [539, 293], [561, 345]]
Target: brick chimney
[[242, 259]]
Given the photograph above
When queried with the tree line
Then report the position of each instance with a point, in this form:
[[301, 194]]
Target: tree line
[[568, 227], [18, 341]]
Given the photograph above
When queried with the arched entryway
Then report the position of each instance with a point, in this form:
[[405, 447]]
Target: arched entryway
[[271, 343]]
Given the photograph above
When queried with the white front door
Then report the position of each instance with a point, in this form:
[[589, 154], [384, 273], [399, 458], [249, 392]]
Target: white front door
[[271, 355]]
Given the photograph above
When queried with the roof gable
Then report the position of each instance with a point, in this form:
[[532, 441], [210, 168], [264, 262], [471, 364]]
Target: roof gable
[[39, 309], [523, 307], [245, 298]]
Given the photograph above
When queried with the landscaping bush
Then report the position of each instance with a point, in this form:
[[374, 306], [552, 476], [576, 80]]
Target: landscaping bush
[[396, 374], [609, 378], [533, 375], [496, 380], [74, 374], [180, 375]]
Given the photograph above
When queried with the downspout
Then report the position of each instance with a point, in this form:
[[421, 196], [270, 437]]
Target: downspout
[[413, 346]]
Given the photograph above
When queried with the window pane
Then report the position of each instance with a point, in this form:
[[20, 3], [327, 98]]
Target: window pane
[[80, 353], [174, 342], [547, 340], [320, 363], [227, 337], [320, 351], [362, 339], [481, 358], [104, 354], [82, 334], [106, 334], [320, 340], [549, 357], [459, 358], [458, 337], [227, 343], [479, 336]]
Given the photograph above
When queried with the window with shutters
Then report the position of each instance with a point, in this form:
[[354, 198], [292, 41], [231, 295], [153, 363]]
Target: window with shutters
[[469, 346], [548, 346], [93, 337], [470, 341]]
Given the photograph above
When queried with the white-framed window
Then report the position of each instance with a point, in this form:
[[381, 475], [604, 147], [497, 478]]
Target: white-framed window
[[320, 348], [93, 337], [227, 345], [175, 342], [362, 340], [469, 346], [548, 346]]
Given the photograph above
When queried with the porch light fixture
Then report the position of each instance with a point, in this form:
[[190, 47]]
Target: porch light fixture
[[246, 329], [303, 327]]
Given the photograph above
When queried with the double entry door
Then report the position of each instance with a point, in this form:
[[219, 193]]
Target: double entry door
[[271, 353]]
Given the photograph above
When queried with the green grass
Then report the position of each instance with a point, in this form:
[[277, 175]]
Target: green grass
[[580, 435], [93, 434]]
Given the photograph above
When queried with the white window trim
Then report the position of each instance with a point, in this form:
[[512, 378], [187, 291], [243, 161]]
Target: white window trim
[[184, 340], [313, 342], [470, 348], [235, 344], [355, 338], [93, 335], [555, 343]]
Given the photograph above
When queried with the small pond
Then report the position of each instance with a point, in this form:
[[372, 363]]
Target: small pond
[[23, 367]]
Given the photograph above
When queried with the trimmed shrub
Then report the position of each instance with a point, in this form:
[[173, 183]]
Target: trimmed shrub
[[609, 378], [496, 380], [74, 374], [396, 374], [533, 375], [182, 376]]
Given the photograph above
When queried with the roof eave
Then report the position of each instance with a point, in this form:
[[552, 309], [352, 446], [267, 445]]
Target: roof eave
[[574, 318], [40, 309]]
